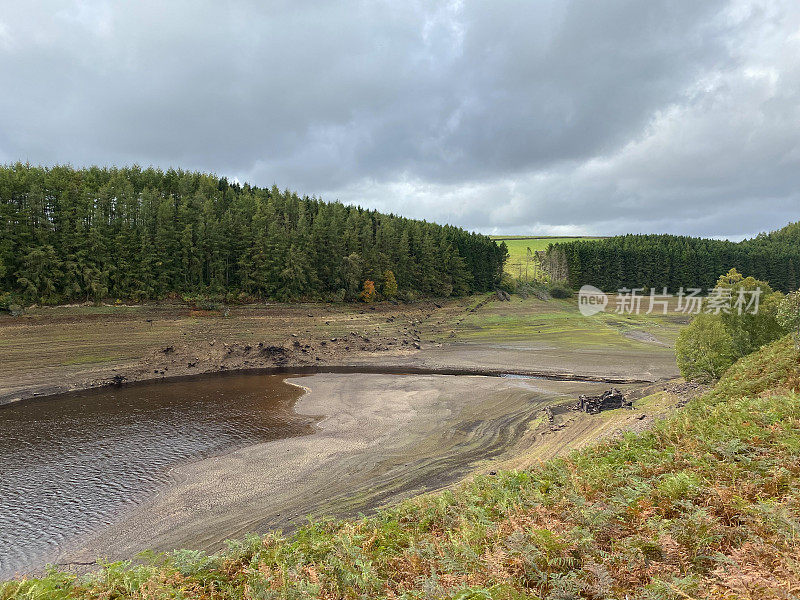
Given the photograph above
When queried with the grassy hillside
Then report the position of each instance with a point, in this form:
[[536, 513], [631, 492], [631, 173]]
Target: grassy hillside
[[518, 249], [705, 505]]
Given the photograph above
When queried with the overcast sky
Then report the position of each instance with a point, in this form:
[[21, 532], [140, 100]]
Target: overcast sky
[[526, 117]]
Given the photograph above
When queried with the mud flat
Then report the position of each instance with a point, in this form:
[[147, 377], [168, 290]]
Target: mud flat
[[379, 438], [388, 432], [53, 350]]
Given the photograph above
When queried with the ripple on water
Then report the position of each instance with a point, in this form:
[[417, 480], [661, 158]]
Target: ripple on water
[[69, 463]]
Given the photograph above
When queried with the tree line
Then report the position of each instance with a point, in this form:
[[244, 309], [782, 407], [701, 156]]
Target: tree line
[[85, 234], [658, 261]]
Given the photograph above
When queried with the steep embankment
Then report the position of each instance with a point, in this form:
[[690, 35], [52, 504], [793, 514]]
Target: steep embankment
[[703, 505]]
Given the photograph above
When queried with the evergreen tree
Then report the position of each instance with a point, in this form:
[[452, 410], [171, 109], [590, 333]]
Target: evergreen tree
[[69, 234]]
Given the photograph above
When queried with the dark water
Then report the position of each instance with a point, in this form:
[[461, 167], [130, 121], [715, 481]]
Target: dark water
[[68, 464]]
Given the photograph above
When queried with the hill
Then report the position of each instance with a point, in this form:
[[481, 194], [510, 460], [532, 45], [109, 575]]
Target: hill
[[84, 234]]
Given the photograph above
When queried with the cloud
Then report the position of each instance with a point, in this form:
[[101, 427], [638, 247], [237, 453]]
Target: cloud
[[503, 116]]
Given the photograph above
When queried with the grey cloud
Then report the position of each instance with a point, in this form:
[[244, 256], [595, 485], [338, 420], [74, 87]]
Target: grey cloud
[[547, 117]]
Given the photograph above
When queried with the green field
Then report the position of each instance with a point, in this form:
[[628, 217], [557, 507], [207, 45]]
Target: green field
[[518, 250]]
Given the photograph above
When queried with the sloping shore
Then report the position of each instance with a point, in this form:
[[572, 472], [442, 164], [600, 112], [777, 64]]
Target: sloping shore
[[380, 438], [54, 350]]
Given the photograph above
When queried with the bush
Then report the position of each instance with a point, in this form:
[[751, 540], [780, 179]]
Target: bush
[[368, 293], [729, 329], [10, 303], [389, 285], [704, 349], [536, 289], [560, 291], [409, 296], [338, 296], [788, 314], [507, 283]]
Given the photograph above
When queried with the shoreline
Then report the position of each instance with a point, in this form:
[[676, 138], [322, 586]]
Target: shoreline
[[35, 392], [365, 453], [409, 400], [67, 349]]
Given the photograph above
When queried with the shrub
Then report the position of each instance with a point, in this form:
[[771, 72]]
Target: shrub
[[368, 293], [389, 285], [748, 329], [558, 290], [507, 283], [729, 328], [338, 296], [409, 296], [534, 288], [788, 314], [704, 349]]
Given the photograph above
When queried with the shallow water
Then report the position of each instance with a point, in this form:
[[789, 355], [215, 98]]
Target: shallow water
[[68, 464]]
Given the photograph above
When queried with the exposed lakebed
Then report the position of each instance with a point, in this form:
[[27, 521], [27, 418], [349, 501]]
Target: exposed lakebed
[[111, 472]]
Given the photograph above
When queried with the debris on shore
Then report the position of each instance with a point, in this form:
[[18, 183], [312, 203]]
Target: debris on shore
[[608, 400]]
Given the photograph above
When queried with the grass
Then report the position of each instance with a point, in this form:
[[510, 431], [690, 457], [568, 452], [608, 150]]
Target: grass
[[704, 505], [560, 323], [518, 250]]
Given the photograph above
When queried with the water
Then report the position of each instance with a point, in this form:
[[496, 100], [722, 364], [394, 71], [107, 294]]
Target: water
[[68, 464]]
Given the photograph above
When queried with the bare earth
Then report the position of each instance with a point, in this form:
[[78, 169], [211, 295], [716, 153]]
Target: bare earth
[[380, 437]]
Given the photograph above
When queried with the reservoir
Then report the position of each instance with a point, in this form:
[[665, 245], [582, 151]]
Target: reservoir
[[189, 463], [69, 463]]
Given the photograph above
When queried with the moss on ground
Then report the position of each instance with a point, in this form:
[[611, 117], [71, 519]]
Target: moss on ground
[[704, 505], [560, 323]]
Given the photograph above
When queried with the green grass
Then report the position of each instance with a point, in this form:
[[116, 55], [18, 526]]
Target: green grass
[[559, 322], [704, 505], [518, 249]]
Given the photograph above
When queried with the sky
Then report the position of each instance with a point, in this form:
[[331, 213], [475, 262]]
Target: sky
[[514, 117]]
